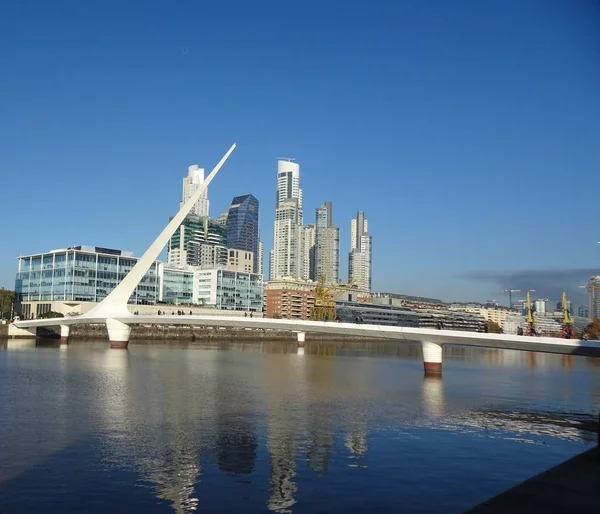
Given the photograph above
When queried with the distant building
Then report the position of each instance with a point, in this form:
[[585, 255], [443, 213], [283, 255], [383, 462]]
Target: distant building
[[327, 245], [520, 305], [286, 258], [569, 306], [77, 278], [450, 320], [240, 260], [222, 220], [78, 273], [496, 315], [583, 311], [540, 305], [289, 298], [360, 257], [191, 183], [547, 324], [177, 285], [593, 287], [434, 313], [513, 323], [271, 274], [363, 312], [242, 225], [199, 241], [407, 300], [261, 251], [229, 290], [309, 234]]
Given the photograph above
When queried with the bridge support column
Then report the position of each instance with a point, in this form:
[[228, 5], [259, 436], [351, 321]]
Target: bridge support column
[[118, 333], [432, 358], [64, 334], [301, 336]]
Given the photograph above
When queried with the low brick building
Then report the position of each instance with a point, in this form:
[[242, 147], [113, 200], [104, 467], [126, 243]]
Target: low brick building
[[290, 298]]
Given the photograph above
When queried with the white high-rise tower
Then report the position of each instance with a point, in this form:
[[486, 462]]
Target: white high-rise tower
[[191, 183], [286, 257], [359, 261]]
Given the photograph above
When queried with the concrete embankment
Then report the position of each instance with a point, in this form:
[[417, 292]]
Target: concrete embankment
[[573, 486], [190, 333]]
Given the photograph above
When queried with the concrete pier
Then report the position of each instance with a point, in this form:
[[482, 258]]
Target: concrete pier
[[64, 334], [118, 333], [432, 358], [301, 338]]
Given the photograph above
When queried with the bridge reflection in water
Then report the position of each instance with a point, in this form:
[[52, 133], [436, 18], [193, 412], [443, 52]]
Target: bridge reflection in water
[[264, 416]]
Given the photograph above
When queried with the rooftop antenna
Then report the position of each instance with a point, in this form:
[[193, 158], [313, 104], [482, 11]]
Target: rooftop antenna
[[289, 159]]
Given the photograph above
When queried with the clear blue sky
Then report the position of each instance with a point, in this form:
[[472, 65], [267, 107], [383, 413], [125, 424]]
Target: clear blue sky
[[468, 131]]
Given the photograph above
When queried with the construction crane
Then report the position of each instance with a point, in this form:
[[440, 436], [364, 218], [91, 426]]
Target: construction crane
[[325, 295], [567, 331], [530, 330], [510, 292]]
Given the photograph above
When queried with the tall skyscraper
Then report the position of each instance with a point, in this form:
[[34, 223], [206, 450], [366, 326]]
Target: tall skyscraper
[[309, 236], [261, 270], [286, 258], [222, 219], [288, 183], [242, 226], [359, 261], [191, 183], [327, 245], [593, 287]]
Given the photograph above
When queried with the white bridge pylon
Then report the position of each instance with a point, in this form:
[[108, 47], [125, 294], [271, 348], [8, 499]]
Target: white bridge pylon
[[115, 304]]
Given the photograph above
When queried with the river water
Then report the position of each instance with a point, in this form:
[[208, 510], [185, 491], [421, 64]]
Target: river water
[[259, 427]]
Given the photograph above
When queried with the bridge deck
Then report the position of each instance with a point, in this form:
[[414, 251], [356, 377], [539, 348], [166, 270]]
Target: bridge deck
[[499, 341]]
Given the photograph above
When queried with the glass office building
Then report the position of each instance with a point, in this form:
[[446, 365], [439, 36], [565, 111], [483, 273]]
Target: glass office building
[[230, 290], [81, 273], [177, 286], [242, 226]]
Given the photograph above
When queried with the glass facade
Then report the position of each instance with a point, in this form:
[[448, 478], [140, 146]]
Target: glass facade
[[177, 286], [230, 290], [199, 241], [242, 226], [86, 274]]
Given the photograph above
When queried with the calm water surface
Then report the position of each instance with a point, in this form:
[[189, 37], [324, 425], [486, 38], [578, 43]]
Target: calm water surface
[[260, 427]]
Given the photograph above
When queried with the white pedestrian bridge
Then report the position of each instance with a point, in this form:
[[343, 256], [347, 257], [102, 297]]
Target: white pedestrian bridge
[[431, 340], [113, 312]]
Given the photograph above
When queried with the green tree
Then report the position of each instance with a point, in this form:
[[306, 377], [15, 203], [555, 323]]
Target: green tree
[[7, 299], [493, 327], [50, 314]]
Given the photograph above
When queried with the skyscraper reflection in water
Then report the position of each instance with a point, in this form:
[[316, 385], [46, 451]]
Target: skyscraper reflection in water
[[284, 385], [153, 426], [237, 439], [321, 414]]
